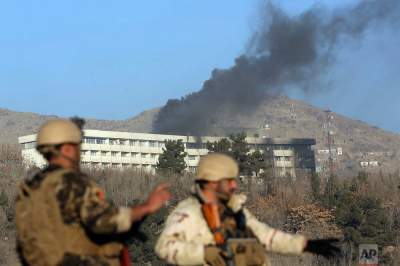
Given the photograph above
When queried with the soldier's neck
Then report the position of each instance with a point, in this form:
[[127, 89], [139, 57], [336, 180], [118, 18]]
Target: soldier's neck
[[209, 196]]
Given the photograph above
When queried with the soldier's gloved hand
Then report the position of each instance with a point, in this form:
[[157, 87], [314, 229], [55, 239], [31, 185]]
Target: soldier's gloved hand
[[213, 256], [323, 247]]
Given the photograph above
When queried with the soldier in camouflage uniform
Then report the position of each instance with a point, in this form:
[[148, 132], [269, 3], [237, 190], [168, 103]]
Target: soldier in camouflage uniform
[[62, 216], [190, 238]]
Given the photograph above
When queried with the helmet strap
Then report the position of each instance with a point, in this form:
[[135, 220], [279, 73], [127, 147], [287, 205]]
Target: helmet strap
[[198, 193]]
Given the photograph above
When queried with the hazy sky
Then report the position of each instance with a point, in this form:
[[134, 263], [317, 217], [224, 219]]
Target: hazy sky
[[114, 59]]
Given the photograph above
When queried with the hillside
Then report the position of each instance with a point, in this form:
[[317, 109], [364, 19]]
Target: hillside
[[284, 117], [14, 124], [276, 117]]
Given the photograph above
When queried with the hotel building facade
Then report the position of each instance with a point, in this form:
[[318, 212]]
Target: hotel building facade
[[113, 149]]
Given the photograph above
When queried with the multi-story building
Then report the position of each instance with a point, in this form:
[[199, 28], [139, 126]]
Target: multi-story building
[[286, 156], [141, 150]]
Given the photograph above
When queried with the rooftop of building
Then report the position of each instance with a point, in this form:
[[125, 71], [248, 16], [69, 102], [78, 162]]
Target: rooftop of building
[[88, 133]]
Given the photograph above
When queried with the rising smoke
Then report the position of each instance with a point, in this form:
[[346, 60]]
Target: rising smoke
[[284, 52]]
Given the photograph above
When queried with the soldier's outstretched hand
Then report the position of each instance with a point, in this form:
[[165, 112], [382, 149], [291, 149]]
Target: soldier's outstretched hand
[[323, 247], [158, 197]]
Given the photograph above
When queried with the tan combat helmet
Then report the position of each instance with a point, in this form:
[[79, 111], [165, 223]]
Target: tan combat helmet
[[58, 131], [216, 167]]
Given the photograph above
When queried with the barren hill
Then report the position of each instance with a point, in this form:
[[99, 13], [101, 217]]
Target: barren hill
[[14, 124], [276, 117], [284, 117]]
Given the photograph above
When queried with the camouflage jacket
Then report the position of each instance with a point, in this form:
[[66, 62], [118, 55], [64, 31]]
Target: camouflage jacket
[[186, 233], [62, 215]]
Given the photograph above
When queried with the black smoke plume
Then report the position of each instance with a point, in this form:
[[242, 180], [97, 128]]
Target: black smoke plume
[[286, 51]]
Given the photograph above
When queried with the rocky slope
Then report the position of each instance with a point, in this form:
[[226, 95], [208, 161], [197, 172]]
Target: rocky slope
[[276, 117], [284, 117], [14, 124]]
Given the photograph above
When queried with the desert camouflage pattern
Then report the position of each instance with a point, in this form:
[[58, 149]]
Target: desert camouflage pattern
[[63, 219], [186, 233]]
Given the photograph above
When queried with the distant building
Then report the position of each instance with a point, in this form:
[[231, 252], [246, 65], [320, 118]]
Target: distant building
[[101, 149], [373, 163], [370, 163], [287, 156]]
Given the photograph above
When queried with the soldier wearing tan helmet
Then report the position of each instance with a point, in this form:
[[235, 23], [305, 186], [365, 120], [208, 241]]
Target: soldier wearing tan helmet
[[62, 215], [213, 228]]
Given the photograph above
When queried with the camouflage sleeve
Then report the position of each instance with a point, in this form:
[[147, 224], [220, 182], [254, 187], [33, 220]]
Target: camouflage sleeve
[[101, 216], [176, 245], [82, 201], [275, 240]]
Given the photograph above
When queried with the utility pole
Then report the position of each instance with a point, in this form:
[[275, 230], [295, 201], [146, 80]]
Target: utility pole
[[330, 144]]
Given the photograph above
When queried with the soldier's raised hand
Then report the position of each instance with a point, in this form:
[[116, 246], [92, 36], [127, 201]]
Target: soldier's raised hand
[[158, 197]]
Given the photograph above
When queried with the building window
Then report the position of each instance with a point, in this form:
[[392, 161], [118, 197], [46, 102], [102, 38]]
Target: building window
[[105, 164], [100, 141], [134, 142], [192, 157], [144, 144], [115, 165], [125, 154], [153, 143], [104, 153], [30, 145], [89, 140], [154, 156], [93, 153], [144, 155], [191, 145], [113, 141], [134, 154], [195, 145], [114, 153], [283, 158], [123, 142]]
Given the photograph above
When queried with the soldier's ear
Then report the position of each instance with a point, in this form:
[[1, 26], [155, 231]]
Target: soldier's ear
[[64, 148], [68, 149]]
